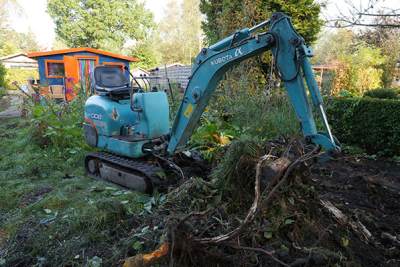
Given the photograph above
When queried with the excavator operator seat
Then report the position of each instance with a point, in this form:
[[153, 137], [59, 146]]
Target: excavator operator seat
[[111, 81]]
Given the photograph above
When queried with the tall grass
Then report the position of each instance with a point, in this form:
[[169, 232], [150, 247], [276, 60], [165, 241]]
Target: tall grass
[[243, 114]]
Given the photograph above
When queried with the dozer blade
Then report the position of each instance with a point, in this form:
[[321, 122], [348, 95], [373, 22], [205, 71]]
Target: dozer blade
[[137, 175]]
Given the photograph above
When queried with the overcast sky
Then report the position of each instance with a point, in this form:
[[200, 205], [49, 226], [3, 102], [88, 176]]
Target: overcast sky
[[35, 18]]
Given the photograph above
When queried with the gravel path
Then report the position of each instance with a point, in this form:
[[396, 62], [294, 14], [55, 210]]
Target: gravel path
[[10, 106]]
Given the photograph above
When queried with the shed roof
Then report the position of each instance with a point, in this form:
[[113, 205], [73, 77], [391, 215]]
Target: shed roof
[[81, 49], [176, 64], [8, 57]]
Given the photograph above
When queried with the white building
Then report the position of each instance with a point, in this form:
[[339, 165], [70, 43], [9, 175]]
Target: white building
[[19, 61], [177, 73]]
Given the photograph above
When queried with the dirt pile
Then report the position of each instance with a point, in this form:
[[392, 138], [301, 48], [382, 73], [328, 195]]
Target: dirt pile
[[274, 205]]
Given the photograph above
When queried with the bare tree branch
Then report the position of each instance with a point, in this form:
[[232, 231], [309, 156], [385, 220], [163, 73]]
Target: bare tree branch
[[372, 14]]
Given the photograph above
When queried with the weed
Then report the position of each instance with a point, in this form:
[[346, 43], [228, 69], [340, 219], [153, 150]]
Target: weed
[[58, 127], [230, 117], [50, 212]]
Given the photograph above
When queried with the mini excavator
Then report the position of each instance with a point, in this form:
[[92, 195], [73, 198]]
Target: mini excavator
[[130, 125]]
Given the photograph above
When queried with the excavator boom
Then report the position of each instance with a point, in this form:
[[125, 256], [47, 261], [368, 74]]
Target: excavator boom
[[291, 60]]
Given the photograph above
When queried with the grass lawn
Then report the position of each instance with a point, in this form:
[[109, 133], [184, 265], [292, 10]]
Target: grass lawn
[[51, 214]]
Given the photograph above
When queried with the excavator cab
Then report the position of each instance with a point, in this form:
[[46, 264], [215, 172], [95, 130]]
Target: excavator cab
[[111, 81]]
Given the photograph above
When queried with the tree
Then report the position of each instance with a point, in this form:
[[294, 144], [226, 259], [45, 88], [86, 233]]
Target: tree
[[191, 24], [11, 41], [15, 42], [224, 17], [171, 44], [366, 14], [180, 35], [360, 66], [147, 53], [4, 6], [106, 24], [58, 44], [334, 45], [388, 40]]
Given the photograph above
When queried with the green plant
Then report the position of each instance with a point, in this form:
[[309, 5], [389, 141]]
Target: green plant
[[46, 198], [358, 66], [211, 136], [2, 92], [3, 73], [20, 76], [345, 93], [261, 116], [384, 93], [59, 126], [372, 124], [242, 114]]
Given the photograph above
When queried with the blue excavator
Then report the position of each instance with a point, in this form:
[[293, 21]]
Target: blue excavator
[[130, 125]]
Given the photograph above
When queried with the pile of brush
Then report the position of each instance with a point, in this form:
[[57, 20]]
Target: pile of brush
[[257, 208]]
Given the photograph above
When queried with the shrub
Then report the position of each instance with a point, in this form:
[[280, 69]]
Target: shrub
[[372, 124], [20, 76], [345, 93], [3, 72], [58, 127], [383, 93]]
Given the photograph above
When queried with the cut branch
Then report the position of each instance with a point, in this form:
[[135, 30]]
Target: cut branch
[[250, 215]]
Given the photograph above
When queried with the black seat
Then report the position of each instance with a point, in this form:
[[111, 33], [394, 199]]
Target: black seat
[[110, 80]]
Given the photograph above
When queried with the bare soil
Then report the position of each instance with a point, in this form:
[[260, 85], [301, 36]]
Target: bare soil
[[297, 228], [367, 191]]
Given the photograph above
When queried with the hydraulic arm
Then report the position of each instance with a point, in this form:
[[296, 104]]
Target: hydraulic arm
[[291, 60]]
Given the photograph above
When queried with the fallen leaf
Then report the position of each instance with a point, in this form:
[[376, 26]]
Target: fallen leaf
[[47, 211]]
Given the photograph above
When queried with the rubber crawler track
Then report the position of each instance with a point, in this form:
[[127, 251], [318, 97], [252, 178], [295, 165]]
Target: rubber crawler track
[[150, 172]]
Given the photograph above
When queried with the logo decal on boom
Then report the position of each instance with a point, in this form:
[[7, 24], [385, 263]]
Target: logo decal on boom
[[238, 52], [220, 60]]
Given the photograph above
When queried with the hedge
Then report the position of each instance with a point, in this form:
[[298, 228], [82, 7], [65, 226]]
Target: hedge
[[384, 93], [372, 124]]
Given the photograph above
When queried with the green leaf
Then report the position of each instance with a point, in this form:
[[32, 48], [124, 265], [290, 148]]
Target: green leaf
[[289, 221], [47, 211], [268, 235], [137, 245], [345, 241], [95, 262]]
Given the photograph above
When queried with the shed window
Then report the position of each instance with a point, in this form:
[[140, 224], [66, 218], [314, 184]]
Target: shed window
[[55, 69], [119, 64]]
